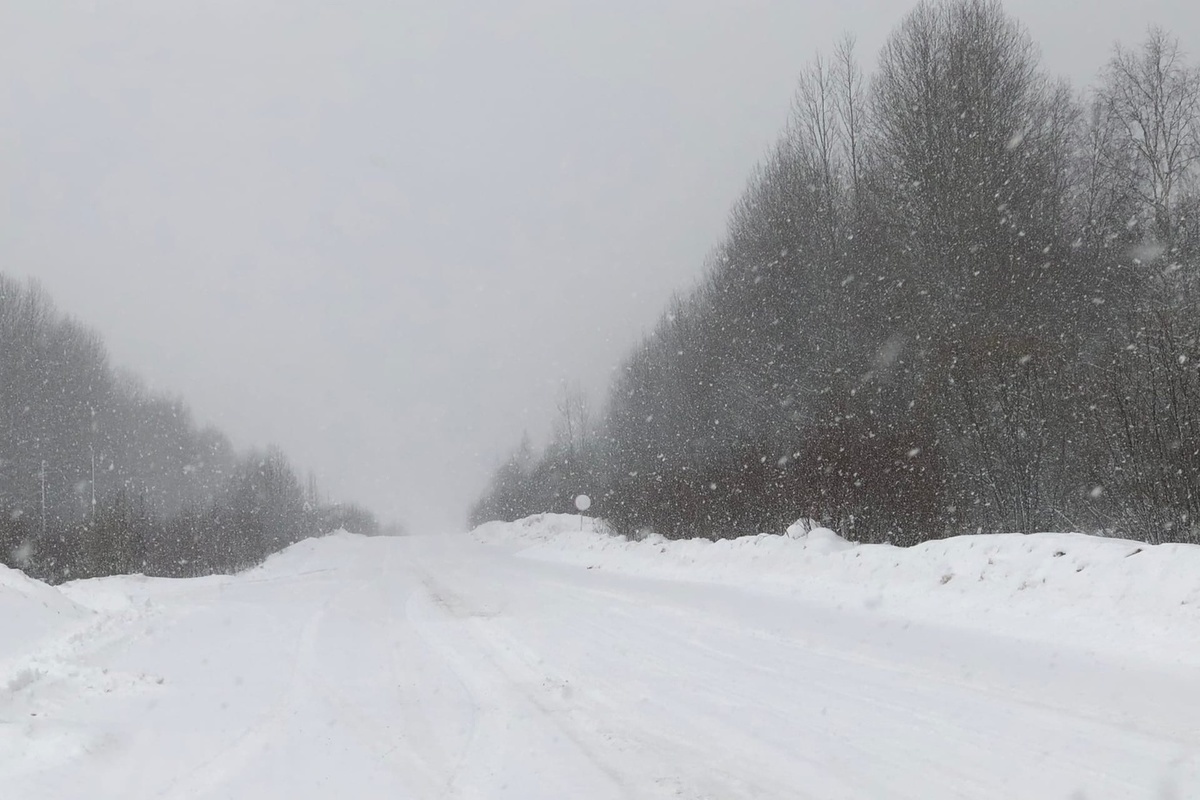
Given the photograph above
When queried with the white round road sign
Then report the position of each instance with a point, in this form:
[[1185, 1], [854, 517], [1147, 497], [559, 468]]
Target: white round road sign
[[583, 502]]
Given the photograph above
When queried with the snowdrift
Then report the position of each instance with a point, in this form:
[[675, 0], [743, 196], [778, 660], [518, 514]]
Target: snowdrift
[[1101, 594], [318, 553], [118, 593], [31, 610]]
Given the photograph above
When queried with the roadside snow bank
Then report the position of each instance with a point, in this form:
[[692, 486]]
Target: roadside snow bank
[[1102, 594], [316, 554], [119, 593], [44, 628], [543, 529], [31, 610]]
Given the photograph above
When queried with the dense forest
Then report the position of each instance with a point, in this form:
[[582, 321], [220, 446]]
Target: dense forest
[[959, 295], [98, 476]]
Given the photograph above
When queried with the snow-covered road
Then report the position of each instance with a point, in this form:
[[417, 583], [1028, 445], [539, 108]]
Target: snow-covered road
[[431, 667]]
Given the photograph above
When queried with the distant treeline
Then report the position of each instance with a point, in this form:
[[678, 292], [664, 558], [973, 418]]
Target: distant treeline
[[99, 476], [958, 296]]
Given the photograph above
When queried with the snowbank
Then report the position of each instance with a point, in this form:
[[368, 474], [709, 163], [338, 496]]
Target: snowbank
[[1100, 594], [319, 553], [541, 529], [31, 610], [119, 593]]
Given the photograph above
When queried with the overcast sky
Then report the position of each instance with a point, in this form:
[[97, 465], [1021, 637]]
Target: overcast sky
[[381, 234]]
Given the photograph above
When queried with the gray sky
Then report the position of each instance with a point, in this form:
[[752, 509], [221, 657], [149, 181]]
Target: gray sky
[[381, 233]]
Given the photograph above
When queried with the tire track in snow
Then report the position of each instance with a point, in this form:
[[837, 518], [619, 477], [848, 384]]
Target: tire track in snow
[[398, 747], [229, 761], [504, 708]]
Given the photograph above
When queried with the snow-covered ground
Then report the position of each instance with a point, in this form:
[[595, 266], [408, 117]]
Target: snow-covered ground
[[1109, 595], [532, 660]]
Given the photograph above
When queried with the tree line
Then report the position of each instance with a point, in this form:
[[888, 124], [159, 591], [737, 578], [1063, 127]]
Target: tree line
[[99, 476], [958, 295]]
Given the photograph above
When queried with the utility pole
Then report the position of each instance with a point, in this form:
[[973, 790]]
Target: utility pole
[[93, 449]]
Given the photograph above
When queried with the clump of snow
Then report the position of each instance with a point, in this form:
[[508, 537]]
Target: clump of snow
[[817, 538], [26, 676], [1093, 592]]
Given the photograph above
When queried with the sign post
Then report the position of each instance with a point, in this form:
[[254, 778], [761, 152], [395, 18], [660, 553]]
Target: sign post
[[583, 503]]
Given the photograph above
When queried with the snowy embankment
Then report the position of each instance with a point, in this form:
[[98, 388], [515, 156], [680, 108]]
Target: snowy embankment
[[43, 627], [29, 611], [1105, 595]]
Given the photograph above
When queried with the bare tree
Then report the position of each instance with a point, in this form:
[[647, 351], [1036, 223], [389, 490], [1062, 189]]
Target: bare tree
[[1154, 96], [851, 110], [573, 430], [1104, 195], [817, 138]]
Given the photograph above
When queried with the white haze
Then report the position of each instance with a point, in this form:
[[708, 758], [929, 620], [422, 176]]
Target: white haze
[[382, 234]]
